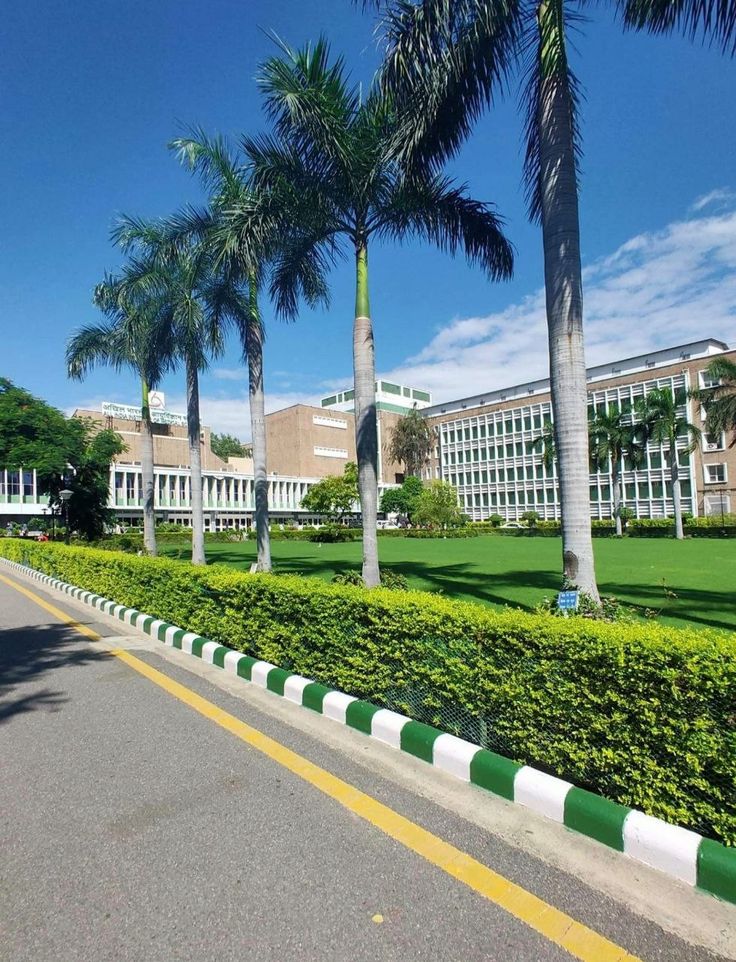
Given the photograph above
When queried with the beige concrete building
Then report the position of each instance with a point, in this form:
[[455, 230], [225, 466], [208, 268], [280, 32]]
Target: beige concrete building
[[486, 443], [315, 442]]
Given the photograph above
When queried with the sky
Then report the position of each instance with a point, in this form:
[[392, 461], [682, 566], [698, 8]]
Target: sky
[[92, 92]]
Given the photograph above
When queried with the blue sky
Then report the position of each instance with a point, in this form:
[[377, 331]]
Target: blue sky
[[91, 92]]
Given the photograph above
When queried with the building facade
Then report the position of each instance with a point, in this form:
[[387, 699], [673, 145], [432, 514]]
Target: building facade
[[486, 443], [486, 448]]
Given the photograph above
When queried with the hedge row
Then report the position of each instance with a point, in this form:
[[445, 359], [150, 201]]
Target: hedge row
[[643, 714]]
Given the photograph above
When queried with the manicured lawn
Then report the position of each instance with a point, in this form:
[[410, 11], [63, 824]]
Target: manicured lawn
[[521, 571]]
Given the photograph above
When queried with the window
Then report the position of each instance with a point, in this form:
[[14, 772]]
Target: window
[[28, 484], [13, 482], [715, 442], [715, 473], [707, 381]]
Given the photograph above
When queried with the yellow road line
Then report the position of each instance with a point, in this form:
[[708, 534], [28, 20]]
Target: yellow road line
[[577, 939]]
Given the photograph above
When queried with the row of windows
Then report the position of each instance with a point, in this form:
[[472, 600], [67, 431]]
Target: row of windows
[[19, 482]]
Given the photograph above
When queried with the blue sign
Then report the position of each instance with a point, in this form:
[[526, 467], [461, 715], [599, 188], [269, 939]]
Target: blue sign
[[567, 600]]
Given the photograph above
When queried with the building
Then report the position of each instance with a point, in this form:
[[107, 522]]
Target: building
[[485, 449], [486, 443]]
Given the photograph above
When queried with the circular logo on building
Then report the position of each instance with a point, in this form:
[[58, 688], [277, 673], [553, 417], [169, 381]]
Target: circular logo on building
[[156, 400]]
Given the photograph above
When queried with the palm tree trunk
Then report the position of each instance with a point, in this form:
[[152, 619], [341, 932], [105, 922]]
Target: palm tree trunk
[[676, 498], [254, 353], [366, 427], [149, 517], [616, 479], [564, 295], [195, 461]]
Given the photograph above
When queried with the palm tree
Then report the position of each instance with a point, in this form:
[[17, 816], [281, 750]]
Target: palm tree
[[662, 423], [719, 401], [243, 228], [613, 437], [193, 301], [125, 341], [546, 443], [411, 443], [446, 62], [333, 162]]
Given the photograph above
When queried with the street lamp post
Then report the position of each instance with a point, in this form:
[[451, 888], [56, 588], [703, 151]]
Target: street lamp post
[[65, 495]]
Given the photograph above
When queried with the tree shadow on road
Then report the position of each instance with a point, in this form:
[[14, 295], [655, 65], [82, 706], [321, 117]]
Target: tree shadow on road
[[28, 654]]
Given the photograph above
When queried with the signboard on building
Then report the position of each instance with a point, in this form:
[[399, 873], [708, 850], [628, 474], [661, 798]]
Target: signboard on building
[[127, 412]]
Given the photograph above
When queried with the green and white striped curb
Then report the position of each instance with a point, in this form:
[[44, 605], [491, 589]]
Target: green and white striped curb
[[678, 852]]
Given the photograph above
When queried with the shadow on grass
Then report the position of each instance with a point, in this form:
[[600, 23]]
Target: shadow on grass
[[30, 653], [464, 581]]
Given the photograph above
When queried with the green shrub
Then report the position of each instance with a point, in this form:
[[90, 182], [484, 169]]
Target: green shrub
[[333, 534], [350, 577], [642, 713]]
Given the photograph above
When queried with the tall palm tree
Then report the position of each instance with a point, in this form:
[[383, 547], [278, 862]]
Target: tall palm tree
[[193, 303], [446, 62], [662, 423], [613, 437], [333, 161], [243, 227], [125, 341], [720, 400]]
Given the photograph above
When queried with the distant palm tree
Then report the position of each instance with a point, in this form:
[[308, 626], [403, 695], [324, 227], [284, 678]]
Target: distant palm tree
[[545, 442], [662, 423], [194, 302], [243, 227], [613, 437], [125, 341], [411, 443], [719, 401], [334, 162]]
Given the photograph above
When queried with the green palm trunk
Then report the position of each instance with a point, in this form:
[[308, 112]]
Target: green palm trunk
[[366, 428], [147, 464], [195, 461], [254, 352], [564, 296]]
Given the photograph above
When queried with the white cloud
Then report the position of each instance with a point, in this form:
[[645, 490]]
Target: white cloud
[[720, 196], [658, 289], [230, 373]]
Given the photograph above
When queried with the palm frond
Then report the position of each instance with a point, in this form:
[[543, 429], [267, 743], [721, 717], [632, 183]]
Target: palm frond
[[309, 100], [442, 213], [712, 20], [445, 61], [300, 269]]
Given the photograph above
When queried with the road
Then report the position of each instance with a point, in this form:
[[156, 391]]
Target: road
[[154, 808]]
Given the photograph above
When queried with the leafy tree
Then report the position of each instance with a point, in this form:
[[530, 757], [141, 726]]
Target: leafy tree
[[662, 423], [720, 401], [613, 437], [334, 497], [89, 482], [437, 506], [412, 441], [333, 159], [402, 500], [531, 518], [35, 435], [126, 341], [192, 300], [228, 446]]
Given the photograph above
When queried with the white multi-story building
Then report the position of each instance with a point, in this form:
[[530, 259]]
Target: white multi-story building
[[486, 443]]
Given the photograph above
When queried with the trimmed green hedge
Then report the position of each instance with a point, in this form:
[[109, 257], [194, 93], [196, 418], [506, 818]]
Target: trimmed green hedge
[[643, 714]]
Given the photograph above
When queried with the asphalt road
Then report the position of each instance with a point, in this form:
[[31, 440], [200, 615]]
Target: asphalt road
[[133, 827]]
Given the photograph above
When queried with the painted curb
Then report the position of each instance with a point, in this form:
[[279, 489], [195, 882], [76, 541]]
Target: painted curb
[[678, 852]]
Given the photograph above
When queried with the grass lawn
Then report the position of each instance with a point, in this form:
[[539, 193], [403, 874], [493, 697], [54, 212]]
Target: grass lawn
[[521, 571]]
